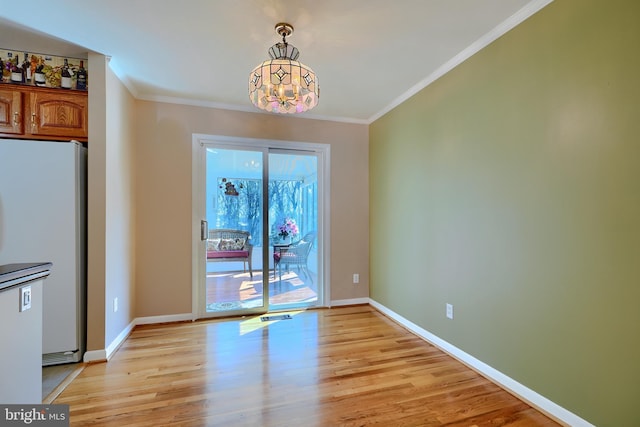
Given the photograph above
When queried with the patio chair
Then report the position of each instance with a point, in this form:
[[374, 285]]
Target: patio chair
[[225, 245], [295, 254]]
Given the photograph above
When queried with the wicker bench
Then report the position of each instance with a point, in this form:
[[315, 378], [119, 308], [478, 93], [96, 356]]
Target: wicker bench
[[226, 245]]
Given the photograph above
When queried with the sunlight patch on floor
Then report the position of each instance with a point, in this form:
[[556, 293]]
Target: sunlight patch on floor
[[254, 323]]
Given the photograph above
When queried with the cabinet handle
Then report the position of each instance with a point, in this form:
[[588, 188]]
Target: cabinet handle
[[16, 116], [33, 120]]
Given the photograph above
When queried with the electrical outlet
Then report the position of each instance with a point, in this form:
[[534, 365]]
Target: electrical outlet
[[356, 278], [25, 298], [449, 311], [115, 304]]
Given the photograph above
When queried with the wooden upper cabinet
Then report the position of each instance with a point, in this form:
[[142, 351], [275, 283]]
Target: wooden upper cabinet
[[43, 113], [11, 112], [57, 114]]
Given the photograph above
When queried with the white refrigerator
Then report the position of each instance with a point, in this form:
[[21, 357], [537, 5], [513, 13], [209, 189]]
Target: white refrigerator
[[43, 219]]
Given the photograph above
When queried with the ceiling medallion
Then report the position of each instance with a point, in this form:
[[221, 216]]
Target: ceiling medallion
[[282, 84]]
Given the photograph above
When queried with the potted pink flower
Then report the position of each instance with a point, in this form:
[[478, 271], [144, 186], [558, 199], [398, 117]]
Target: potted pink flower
[[288, 229]]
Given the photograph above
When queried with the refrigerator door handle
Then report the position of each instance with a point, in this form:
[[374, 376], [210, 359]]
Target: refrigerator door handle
[[204, 229]]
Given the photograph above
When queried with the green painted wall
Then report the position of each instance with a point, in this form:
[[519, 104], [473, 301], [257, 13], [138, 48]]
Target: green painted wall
[[510, 188]]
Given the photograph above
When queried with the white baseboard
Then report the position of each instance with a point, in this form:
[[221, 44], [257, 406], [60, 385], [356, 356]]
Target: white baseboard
[[92, 356], [536, 400], [352, 301], [149, 320], [111, 348], [104, 355]]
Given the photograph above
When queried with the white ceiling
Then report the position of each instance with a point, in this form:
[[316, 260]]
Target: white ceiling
[[369, 55]]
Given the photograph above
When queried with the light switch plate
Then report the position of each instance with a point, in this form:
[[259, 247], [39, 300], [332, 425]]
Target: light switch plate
[[25, 298]]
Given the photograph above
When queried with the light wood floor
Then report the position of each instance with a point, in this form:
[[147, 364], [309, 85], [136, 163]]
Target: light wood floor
[[347, 366]]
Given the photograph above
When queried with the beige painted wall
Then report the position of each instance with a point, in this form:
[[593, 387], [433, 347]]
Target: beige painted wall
[[120, 208], [515, 180], [110, 225], [163, 196], [96, 202]]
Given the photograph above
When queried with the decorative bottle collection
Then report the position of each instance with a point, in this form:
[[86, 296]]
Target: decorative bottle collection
[[42, 70]]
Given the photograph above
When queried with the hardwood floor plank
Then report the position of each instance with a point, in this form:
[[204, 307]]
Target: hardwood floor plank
[[348, 366]]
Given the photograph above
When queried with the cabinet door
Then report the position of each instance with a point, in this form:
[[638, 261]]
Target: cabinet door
[[57, 114], [11, 115]]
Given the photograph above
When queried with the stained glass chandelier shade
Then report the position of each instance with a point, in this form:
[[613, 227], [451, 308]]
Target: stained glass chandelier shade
[[282, 84]]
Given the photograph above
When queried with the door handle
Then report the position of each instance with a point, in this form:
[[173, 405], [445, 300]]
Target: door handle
[[204, 230]]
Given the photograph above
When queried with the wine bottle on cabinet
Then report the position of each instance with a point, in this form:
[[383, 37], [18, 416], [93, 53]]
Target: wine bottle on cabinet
[[16, 72], [26, 69], [33, 64], [81, 77], [40, 78], [65, 76]]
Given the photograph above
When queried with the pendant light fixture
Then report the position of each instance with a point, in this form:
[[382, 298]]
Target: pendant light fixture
[[282, 84]]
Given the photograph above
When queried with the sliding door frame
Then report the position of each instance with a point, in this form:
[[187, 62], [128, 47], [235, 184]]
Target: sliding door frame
[[198, 208]]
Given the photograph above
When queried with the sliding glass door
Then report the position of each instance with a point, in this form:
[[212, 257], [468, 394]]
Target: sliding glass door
[[234, 203], [260, 241], [293, 229]]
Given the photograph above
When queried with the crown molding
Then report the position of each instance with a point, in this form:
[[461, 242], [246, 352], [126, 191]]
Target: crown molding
[[508, 24], [242, 108], [505, 26]]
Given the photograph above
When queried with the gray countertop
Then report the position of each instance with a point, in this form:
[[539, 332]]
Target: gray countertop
[[12, 275]]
